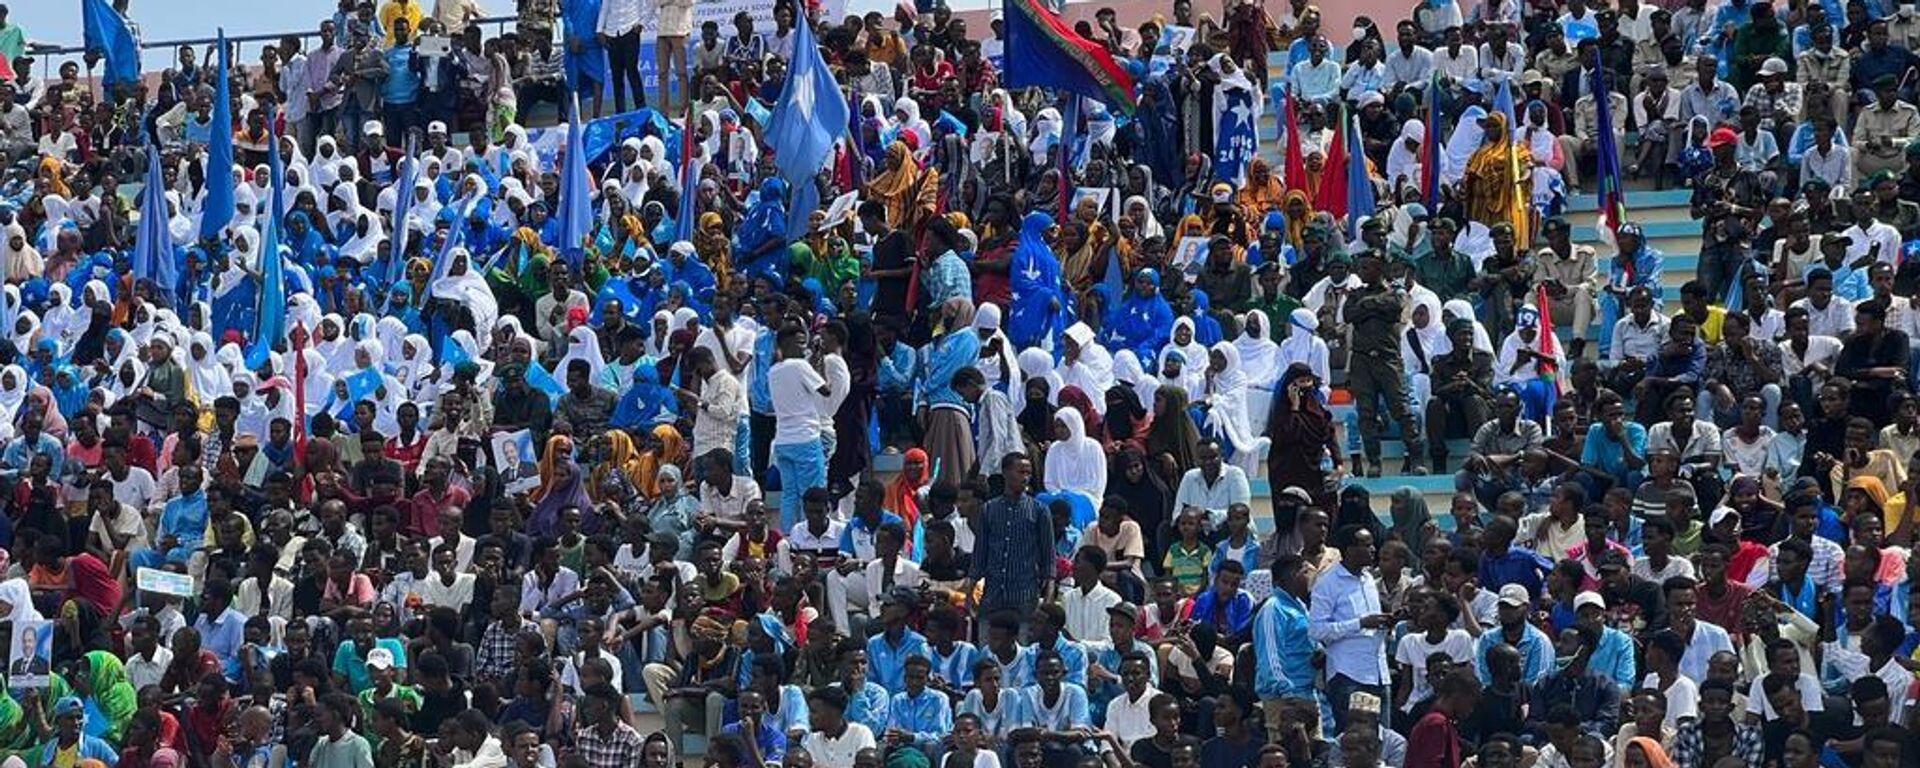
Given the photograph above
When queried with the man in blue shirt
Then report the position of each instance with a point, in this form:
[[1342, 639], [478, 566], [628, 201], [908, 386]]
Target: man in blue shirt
[[402, 88], [1046, 631], [889, 651], [1502, 564], [1612, 650], [1615, 447], [1283, 654], [919, 716], [1349, 622], [222, 629], [1536, 650], [759, 735]]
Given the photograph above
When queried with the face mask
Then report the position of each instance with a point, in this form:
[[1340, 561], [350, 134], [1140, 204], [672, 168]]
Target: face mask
[[1562, 663], [1359, 33]]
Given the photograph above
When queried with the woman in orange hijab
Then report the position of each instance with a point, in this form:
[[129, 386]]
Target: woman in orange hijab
[[620, 456], [668, 447], [903, 493]]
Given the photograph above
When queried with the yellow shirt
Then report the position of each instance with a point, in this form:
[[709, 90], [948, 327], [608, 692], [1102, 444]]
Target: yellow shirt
[[399, 9], [1710, 330]]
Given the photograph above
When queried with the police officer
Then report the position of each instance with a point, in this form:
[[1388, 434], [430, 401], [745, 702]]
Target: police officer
[[1374, 372]]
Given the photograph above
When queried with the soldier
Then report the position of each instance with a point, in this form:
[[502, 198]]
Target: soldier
[[1375, 371]]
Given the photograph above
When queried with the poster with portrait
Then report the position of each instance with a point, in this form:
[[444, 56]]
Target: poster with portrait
[[514, 458], [30, 661]]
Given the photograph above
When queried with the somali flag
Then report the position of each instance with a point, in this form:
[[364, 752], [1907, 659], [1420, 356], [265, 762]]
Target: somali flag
[[108, 33], [807, 121], [541, 379], [153, 258], [271, 325], [217, 212]]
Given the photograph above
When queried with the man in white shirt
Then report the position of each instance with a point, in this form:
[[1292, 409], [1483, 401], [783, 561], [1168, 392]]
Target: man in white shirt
[[800, 393], [1130, 715], [1409, 65], [718, 405], [1211, 487], [1827, 314], [724, 495], [1871, 237], [1458, 62], [1086, 603], [148, 660]]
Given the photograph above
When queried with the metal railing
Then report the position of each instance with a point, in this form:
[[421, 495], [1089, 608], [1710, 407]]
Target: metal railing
[[51, 57]]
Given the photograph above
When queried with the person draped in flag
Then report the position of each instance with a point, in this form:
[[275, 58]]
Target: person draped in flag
[[1528, 358], [1492, 193]]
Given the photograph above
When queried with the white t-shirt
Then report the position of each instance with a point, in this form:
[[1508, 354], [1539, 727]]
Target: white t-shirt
[[795, 387], [137, 490], [434, 591], [1414, 649], [1683, 697], [830, 752]]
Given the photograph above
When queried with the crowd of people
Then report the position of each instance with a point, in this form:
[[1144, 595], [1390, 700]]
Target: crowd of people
[[389, 473]]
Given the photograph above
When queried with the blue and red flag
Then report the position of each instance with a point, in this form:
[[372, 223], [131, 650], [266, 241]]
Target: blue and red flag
[[1295, 170], [1430, 150], [1612, 196], [1360, 199], [1043, 51], [687, 177]]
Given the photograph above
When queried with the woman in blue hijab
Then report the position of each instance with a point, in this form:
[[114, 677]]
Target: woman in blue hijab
[[1143, 319], [646, 401], [405, 309], [1206, 329], [1040, 309], [760, 244], [303, 240]]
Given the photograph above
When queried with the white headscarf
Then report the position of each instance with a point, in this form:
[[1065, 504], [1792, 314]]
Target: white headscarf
[[24, 262], [19, 601], [1466, 139], [1127, 370], [463, 283], [1403, 164], [1092, 371], [1001, 367], [12, 397], [1227, 418], [1432, 336], [1077, 463], [1459, 309], [1304, 345], [583, 344], [1035, 363], [64, 323], [1259, 356]]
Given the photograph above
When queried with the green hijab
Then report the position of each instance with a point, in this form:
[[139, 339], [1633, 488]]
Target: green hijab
[[112, 693]]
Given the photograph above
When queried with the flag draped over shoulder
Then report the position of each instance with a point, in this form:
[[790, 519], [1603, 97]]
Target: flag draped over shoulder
[[107, 33], [218, 209], [1043, 51], [272, 322], [808, 120], [1360, 200], [153, 260]]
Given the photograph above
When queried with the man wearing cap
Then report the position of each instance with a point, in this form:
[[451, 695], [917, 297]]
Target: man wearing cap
[[70, 744], [1775, 97], [1883, 128], [1613, 651], [1514, 629], [1375, 369], [1568, 271]]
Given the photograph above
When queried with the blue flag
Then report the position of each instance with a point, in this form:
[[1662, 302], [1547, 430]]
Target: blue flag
[[541, 379], [1430, 150], [218, 210], [271, 325], [1360, 202], [402, 200], [606, 132], [684, 220], [153, 260], [1234, 140], [809, 117], [1503, 103], [107, 33], [575, 215]]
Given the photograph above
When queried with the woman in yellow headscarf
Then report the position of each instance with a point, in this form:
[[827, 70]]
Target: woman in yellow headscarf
[[715, 247], [1078, 265], [1298, 208], [620, 455], [50, 168], [668, 448], [908, 191], [559, 448], [1262, 192], [1494, 192]]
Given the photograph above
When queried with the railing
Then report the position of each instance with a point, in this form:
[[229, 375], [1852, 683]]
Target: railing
[[51, 57]]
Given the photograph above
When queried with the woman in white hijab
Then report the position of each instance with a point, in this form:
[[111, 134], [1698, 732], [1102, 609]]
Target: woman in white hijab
[[1403, 158], [326, 154], [362, 226], [22, 260], [1147, 225], [906, 113], [1075, 463], [1046, 133], [13, 394], [16, 602], [997, 361], [1225, 395], [25, 330], [1466, 139], [1184, 340], [390, 331], [422, 208], [1035, 363], [584, 345], [63, 323], [209, 379], [464, 284], [1087, 365], [1127, 370], [1424, 339], [634, 191], [180, 226], [1259, 355], [1459, 309], [1304, 345]]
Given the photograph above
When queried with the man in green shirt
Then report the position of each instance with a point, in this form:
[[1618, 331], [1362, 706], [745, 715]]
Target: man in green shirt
[[380, 666], [13, 40], [338, 746]]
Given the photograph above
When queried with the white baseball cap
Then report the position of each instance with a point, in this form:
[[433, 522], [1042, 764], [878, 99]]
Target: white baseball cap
[[1514, 594], [437, 127], [1587, 598], [380, 658], [373, 126]]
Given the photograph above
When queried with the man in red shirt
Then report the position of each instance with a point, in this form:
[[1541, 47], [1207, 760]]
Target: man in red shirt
[[65, 577], [1435, 740]]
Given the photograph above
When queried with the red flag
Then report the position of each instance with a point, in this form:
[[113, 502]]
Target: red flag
[[1331, 194], [1296, 170], [1546, 342], [299, 388]]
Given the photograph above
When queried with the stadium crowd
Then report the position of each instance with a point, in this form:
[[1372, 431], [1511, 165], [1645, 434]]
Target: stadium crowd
[[369, 462]]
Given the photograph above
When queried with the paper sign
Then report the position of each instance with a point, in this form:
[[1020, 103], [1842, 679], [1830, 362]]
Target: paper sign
[[30, 661], [162, 582], [840, 210], [1174, 40], [513, 456], [433, 45], [1105, 197]]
